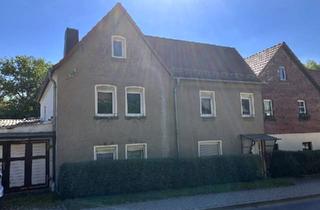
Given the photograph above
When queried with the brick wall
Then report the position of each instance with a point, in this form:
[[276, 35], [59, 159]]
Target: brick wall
[[284, 95]]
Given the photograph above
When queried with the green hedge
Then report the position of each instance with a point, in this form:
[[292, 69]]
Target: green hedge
[[295, 164], [128, 176]]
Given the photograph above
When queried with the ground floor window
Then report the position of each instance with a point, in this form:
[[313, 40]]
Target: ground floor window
[[209, 148], [136, 151], [106, 152], [306, 146]]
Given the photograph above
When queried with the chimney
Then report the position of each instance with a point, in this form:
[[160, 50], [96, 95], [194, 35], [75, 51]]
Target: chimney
[[71, 38]]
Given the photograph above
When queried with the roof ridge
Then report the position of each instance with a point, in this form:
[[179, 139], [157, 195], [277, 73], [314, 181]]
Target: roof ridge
[[191, 42], [265, 49]]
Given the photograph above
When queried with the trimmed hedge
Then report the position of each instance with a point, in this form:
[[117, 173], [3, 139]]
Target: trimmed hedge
[[129, 176], [295, 164]]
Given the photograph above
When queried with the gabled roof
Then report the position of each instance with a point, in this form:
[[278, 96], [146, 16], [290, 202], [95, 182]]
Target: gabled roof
[[202, 61], [186, 59], [118, 7], [12, 123], [259, 60]]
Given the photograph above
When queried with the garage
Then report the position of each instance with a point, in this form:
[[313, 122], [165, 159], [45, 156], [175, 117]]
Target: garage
[[26, 158], [24, 164]]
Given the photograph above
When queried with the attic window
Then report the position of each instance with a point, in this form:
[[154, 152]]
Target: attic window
[[282, 73], [118, 47]]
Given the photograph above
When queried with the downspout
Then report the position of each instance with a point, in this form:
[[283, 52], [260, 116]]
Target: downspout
[[176, 83], [54, 129]]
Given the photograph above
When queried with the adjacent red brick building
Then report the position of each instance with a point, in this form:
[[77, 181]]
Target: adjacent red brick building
[[291, 94]]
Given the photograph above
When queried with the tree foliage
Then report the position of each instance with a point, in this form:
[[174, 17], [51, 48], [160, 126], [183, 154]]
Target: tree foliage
[[313, 65], [20, 79]]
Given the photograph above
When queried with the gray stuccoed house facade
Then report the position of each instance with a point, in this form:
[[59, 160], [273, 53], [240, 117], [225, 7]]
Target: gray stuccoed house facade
[[120, 94]]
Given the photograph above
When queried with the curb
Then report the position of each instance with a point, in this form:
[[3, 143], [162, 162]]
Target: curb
[[267, 203]]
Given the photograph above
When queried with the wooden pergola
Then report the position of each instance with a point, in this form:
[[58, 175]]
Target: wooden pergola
[[259, 144]]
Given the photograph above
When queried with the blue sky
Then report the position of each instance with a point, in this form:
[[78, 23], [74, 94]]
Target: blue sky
[[36, 27]]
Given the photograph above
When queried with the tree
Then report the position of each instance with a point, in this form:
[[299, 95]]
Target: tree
[[313, 65], [20, 79]]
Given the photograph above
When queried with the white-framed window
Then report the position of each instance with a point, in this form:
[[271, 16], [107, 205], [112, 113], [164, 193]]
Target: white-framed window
[[282, 73], [302, 107], [209, 148], [135, 101], [268, 109], [118, 46], [247, 104], [136, 151], [105, 100], [105, 152], [207, 103]]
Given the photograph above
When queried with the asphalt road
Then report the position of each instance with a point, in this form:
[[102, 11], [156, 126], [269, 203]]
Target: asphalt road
[[306, 204]]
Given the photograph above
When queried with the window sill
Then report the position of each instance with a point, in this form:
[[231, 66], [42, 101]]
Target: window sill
[[303, 117], [248, 117], [284, 82], [114, 117], [141, 117], [269, 118], [207, 117], [120, 59]]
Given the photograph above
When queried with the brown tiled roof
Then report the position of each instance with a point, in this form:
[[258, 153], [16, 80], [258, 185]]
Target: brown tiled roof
[[201, 61], [259, 60], [12, 123]]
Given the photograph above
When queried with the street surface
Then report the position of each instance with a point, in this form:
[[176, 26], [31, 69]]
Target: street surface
[[306, 204]]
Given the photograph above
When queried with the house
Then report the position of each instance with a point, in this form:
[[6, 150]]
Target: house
[[291, 98], [120, 94]]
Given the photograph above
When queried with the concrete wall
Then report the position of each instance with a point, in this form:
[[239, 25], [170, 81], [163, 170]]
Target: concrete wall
[[228, 123], [46, 103], [293, 141], [78, 130]]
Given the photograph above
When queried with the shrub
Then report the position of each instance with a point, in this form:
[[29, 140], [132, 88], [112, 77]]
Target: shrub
[[294, 164], [129, 176]]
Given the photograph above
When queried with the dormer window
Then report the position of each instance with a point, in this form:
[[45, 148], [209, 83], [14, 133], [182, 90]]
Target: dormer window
[[282, 73], [118, 47]]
